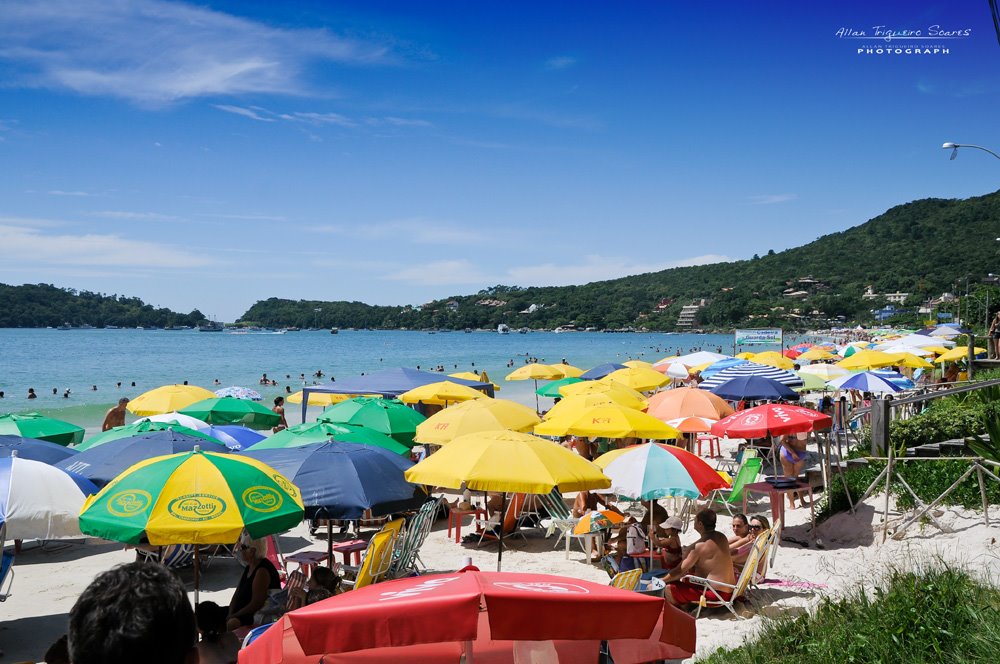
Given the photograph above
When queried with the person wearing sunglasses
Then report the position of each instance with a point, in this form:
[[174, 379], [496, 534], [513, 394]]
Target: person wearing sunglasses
[[259, 578]]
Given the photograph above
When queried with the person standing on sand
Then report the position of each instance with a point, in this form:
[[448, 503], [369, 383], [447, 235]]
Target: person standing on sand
[[115, 416], [279, 408]]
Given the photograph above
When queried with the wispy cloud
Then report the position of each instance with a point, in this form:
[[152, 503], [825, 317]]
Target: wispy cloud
[[132, 216], [245, 217], [771, 199], [91, 249], [245, 112], [417, 230], [560, 62], [61, 192], [320, 119], [440, 273], [157, 51]]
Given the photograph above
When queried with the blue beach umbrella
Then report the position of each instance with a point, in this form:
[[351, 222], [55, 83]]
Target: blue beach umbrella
[[39, 501], [601, 370], [103, 463], [752, 369], [34, 449], [753, 388], [238, 392], [865, 381], [716, 367], [234, 436]]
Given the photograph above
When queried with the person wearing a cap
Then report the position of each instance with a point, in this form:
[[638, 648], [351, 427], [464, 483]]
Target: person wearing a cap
[[670, 542], [115, 416]]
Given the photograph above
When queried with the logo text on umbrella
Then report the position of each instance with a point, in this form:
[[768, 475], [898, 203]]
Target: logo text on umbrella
[[262, 499], [129, 503], [287, 486], [197, 507]]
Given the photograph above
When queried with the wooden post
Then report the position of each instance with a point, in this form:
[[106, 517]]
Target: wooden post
[[880, 426], [982, 494], [888, 488], [972, 354]]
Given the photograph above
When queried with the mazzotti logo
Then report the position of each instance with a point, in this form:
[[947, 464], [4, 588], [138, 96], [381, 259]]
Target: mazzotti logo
[[197, 507], [129, 503], [287, 486], [262, 499]]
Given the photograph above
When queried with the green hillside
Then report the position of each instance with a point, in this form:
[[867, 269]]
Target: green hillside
[[923, 248]]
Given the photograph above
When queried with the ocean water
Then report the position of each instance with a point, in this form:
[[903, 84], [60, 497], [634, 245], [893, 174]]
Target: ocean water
[[80, 359]]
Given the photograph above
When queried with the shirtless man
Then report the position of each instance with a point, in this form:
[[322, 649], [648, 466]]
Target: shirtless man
[[115, 416], [708, 558]]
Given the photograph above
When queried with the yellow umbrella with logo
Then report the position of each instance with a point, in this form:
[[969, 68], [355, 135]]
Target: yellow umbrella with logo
[[473, 417], [442, 393], [609, 421], [193, 498], [167, 399], [621, 394], [639, 379], [578, 404]]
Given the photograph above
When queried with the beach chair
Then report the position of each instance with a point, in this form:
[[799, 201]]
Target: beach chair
[[276, 558], [560, 517], [733, 464], [407, 550], [511, 521], [376, 561], [747, 474], [173, 556], [768, 554], [627, 580], [711, 598], [6, 575]]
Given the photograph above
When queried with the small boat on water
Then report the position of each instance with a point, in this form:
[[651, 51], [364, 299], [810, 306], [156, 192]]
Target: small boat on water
[[503, 328], [65, 326], [334, 330], [210, 326]]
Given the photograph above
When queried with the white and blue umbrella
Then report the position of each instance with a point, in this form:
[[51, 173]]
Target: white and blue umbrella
[[39, 501], [238, 392], [752, 369], [235, 436], [865, 381]]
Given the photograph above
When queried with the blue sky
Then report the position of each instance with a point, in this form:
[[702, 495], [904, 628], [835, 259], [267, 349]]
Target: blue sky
[[208, 156]]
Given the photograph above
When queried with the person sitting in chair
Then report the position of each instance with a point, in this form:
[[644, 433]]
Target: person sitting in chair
[[708, 558], [258, 580]]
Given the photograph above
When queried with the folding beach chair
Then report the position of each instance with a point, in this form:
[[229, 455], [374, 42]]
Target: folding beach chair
[[627, 580], [747, 474], [712, 598], [6, 575], [407, 550], [559, 517], [511, 521], [377, 559]]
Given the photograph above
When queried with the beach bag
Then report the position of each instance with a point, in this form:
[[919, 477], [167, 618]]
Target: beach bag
[[635, 539]]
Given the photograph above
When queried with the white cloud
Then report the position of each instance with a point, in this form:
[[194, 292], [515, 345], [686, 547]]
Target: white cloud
[[30, 246], [322, 119], [440, 273], [156, 51], [133, 216], [560, 62], [245, 112], [60, 192], [245, 217], [417, 230], [319, 119], [770, 199]]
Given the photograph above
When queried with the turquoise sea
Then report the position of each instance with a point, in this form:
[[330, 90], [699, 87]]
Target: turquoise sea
[[79, 359]]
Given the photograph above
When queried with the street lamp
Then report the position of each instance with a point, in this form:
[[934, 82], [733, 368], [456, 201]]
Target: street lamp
[[955, 146]]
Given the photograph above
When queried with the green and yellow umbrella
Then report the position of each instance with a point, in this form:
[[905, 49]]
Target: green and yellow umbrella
[[193, 498]]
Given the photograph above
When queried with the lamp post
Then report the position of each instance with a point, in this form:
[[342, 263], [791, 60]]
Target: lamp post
[[955, 146]]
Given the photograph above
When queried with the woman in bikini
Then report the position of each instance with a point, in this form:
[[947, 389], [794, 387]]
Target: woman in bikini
[[793, 460]]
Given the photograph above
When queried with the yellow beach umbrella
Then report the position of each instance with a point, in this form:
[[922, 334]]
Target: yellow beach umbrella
[[580, 403], [745, 355], [535, 371], [817, 353], [167, 399], [475, 416], [318, 398], [867, 359], [635, 364], [937, 350], [639, 379], [441, 393], [567, 370], [773, 359], [611, 421], [958, 354], [910, 360], [617, 392], [472, 375], [824, 371]]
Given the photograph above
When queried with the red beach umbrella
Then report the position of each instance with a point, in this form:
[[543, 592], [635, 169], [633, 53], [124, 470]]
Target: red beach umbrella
[[442, 610], [771, 419], [791, 353]]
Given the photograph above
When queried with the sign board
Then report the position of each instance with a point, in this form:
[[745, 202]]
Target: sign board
[[757, 337]]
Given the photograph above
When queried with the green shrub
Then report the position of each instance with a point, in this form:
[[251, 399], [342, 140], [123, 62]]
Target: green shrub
[[942, 615]]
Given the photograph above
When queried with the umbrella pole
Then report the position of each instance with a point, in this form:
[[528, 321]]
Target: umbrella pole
[[651, 530], [197, 570], [503, 518], [536, 396], [329, 544]]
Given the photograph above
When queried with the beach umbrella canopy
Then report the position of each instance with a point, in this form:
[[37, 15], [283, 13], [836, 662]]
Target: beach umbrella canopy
[[754, 388], [773, 359], [490, 613], [342, 480], [235, 436], [34, 425], [716, 367], [687, 402], [865, 382], [578, 404], [389, 416], [790, 353], [103, 463], [34, 449], [639, 379], [745, 355], [596, 521], [638, 363], [552, 389], [867, 359], [825, 371], [193, 498], [535, 371], [921, 341], [956, 354], [699, 358], [442, 393], [177, 418], [227, 410], [139, 428], [318, 398], [907, 359], [608, 421], [323, 432], [472, 375], [817, 353], [474, 416], [811, 382], [894, 377], [238, 392], [167, 399], [654, 471], [752, 369], [898, 350], [692, 424], [567, 370], [507, 461], [771, 419], [39, 501], [620, 394], [672, 370], [601, 370]]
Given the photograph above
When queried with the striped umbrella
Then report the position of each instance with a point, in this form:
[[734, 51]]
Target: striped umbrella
[[865, 382], [653, 471], [752, 369]]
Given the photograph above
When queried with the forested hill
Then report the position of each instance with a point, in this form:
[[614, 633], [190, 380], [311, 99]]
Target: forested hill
[[44, 305], [923, 248]]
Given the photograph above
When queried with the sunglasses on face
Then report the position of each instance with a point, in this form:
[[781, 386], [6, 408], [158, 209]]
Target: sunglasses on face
[[756, 526]]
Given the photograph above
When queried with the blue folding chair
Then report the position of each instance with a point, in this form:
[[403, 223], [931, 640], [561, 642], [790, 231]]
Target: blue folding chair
[[6, 575]]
